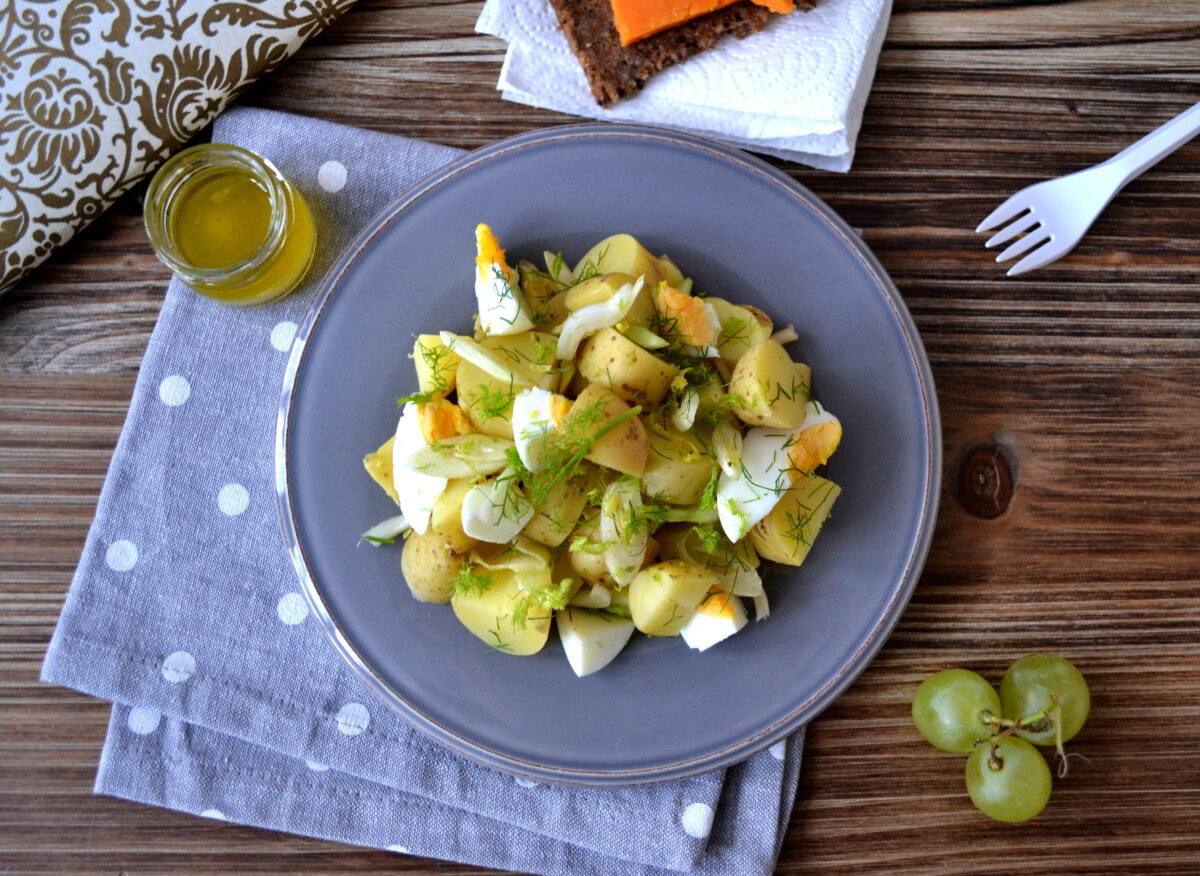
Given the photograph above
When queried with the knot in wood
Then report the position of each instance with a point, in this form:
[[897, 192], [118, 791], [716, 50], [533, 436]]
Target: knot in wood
[[985, 481]]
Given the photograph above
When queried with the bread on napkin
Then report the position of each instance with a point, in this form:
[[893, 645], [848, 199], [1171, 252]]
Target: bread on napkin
[[615, 71]]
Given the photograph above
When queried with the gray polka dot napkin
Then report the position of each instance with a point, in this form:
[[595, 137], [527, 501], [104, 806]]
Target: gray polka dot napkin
[[229, 701]]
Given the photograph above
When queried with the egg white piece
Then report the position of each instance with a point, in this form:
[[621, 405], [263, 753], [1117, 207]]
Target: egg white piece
[[703, 630], [417, 492], [815, 415], [714, 324], [502, 309], [591, 639], [594, 317], [533, 424], [743, 501], [495, 510]]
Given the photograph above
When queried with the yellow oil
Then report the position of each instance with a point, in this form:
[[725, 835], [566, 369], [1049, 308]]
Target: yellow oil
[[221, 218]]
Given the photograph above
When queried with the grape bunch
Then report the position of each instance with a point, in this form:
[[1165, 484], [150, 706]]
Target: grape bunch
[[1043, 700]]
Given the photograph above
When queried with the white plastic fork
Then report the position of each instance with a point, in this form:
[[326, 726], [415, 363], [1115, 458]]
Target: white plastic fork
[[1054, 215]]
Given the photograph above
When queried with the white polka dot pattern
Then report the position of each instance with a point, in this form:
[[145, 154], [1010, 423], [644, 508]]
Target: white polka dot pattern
[[174, 390], [121, 556], [213, 813], [332, 176], [282, 335], [292, 609], [178, 667], [353, 719], [778, 749], [401, 849], [697, 820], [143, 721], [233, 499], [316, 766]]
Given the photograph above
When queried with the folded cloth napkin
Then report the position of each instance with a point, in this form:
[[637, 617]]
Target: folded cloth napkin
[[230, 701], [795, 90], [93, 97]]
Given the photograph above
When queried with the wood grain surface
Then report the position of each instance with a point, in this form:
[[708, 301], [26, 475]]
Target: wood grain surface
[[1082, 378]]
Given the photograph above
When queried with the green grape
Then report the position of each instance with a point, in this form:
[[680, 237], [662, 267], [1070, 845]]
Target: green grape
[[947, 707], [1026, 688], [1014, 785]]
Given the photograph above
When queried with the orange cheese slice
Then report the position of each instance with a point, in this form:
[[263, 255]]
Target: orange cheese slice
[[638, 19]]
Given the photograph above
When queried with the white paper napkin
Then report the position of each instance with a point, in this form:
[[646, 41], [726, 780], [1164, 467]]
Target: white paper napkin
[[795, 90]]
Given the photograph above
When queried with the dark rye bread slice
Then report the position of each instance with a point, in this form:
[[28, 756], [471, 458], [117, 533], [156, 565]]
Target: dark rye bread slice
[[615, 71]]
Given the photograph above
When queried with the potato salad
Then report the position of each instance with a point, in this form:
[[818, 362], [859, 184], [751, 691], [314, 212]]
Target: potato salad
[[610, 450]]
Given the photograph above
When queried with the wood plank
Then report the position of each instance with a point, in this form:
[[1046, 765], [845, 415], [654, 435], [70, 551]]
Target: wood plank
[[1082, 376]]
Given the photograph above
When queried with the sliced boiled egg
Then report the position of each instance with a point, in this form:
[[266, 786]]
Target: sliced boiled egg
[[814, 442], [502, 309], [495, 510], [416, 492], [591, 639], [745, 500], [716, 618], [536, 416]]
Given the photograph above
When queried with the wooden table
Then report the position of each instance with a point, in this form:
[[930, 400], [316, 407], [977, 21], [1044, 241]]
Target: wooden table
[[1081, 380]]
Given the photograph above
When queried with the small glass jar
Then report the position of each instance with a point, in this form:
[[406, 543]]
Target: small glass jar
[[229, 225]]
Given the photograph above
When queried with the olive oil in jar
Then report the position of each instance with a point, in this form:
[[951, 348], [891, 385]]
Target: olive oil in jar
[[229, 225]]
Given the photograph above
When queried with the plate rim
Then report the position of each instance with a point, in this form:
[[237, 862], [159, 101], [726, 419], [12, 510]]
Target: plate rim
[[799, 715]]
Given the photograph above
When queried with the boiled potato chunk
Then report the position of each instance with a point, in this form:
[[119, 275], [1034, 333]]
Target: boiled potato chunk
[[489, 615], [554, 519], [633, 374], [437, 365], [379, 467], [486, 399], [670, 272], [677, 467], [430, 561], [591, 639], [620, 253], [663, 596], [773, 390], [604, 287], [447, 510], [623, 448], [786, 534], [741, 328]]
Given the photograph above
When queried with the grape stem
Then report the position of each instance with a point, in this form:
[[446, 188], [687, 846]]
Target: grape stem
[[1038, 722]]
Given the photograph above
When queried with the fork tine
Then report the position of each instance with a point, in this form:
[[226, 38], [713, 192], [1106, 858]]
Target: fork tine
[[1008, 210], [1010, 231], [1026, 243], [1039, 258]]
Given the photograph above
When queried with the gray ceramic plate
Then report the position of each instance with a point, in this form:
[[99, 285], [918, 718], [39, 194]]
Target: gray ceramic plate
[[743, 231]]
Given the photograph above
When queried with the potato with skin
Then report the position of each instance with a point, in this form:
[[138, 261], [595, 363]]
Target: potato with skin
[[436, 364], [677, 467], [623, 448], [742, 327], [488, 614], [602, 288], [635, 375], [486, 399], [786, 535], [662, 597], [430, 561], [447, 510], [772, 389], [621, 253], [379, 466]]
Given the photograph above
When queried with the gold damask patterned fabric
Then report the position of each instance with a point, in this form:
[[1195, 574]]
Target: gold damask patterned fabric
[[97, 93]]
